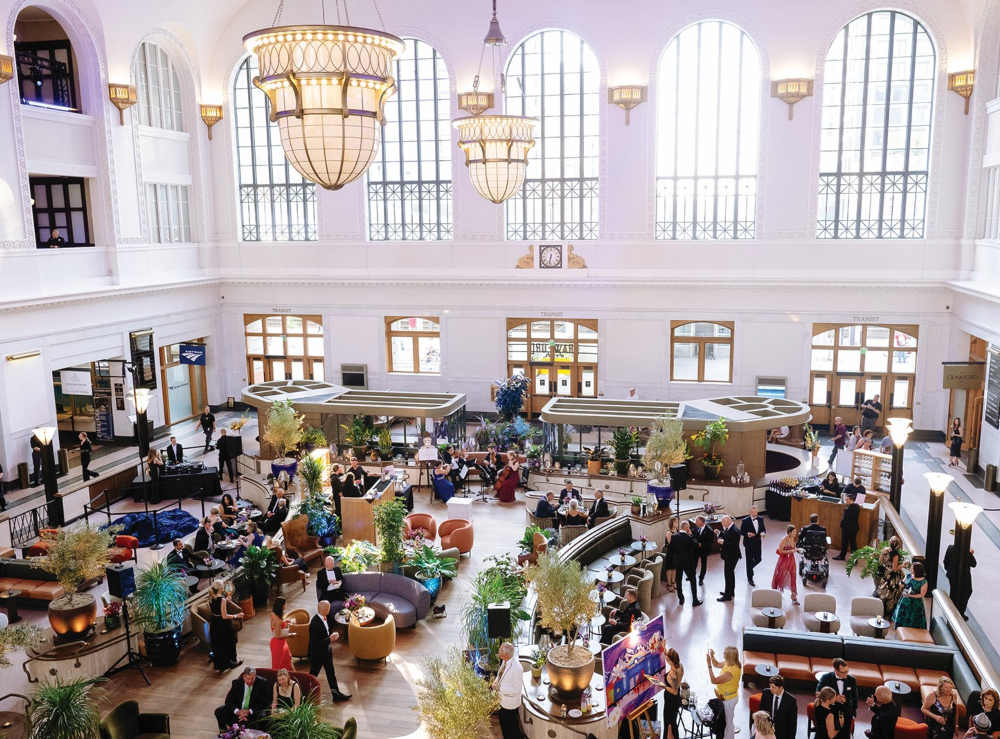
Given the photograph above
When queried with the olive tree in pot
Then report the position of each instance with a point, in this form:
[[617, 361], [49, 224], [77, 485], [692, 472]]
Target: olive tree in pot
[[284, 433], [563, 604], [453, 701], [159, 607], [260, 565], [666, 447], [76, 556], [65, 709]]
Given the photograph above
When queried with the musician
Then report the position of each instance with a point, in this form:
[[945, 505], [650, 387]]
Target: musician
[[488, 467], [461, 463], [509, 478]]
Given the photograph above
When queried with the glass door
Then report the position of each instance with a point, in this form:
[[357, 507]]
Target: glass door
[[901, 398], [821, 398], [542, 388], [588, 381], [847, 394], [564, 382]]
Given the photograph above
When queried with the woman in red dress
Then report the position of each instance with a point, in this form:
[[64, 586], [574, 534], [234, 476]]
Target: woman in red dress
[[281, 655], [509, 478], [784, 572]]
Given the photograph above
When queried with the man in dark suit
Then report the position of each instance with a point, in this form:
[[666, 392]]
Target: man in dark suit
[[780, 705], [330, 581], [849, 526], [812, 526], [336, 487], [950, 565], [36, 460], [598, 509], [204, 541], [175, 452], [685, 548], [227, 454], [706, 540], [846, 702], [884, 714], [272, 523], [752, 530], [321, 636], [180, 560], [729, 540], [620, 621], [548, 508], [247, 702]]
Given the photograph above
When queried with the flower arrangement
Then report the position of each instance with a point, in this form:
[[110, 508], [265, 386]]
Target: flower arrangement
[[232, 732], [413, 539], [621, 553], [354, 602], [240, 422], [601, 588], [710, 509], [812, 439], [113, 609], [642, 539]]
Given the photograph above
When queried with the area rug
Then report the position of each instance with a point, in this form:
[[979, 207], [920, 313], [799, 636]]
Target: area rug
[[171, 525]]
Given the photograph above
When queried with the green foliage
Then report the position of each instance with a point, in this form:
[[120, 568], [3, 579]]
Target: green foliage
[[666, 444], [313, 471], [389, 518], [17, 637], [429, 564], [321, 521], [313, 436], [284, 427], [260, 565], [594, 453], [501, 580], [385, 440], [534, 451], [636, 501], [160, 599], [303, 721], [538, 657], [359, 433], [78, 555], [812, 438], [453, 702], [714, 433], [65, 709], [867, 558], [623, 441], [527, 541], [563, 591], [357, 556]]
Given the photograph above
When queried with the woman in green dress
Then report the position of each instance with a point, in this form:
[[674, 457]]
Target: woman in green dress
[[910, 609]]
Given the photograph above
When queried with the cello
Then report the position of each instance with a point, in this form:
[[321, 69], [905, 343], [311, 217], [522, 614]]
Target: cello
[[502, 477]]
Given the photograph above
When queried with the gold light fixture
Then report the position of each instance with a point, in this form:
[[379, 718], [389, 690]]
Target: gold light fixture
[[475, 102], [962, 83], [211, 114], [791, 91], [122, 97], [6, 68], [627, 97]]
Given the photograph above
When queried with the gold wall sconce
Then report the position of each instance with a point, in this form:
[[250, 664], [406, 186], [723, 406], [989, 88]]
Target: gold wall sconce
[[962, 83], [6, 68], [627, 97], [122, 97], [475, 102], [791, 91], [211, 114]]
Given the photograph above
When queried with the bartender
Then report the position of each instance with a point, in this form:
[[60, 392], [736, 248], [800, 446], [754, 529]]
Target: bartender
[[358, 472]]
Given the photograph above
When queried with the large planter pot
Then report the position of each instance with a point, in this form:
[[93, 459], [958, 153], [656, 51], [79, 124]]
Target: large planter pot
[[570, 677], [285, 464], [621, 467], [360, 451], [593, 466], [433, 585], [260, 591], [164, 647], [247, 607], [72, 616], [712, 471]]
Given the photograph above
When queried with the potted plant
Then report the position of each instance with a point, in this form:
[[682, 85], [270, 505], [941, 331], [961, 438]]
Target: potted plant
[[322, 523], [623, 441], [453, 702], [243, 595], [534, 455], [385, 442], [500, 581], [510, 394], [159, 609], [17, 637], [636, 505], [65, 709], [812, 442], [432, 569], [312, 438], [260, 565], [867, 558], [304, 721], [563, 592], [538, 657], [283, 432], [76, 556], [527, 542], [666, 446], [358, 436], [358, 556], [113, 615], [594, 459], [714, 433], [389, 517]]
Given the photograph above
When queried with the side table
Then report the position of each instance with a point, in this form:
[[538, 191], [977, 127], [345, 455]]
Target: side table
[[10, 600]]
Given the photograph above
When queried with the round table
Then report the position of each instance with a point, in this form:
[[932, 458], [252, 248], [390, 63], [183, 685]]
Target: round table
[[825, 618], [603, 598], [596, 623], [256, 513], [594, 645], [364, 616], [210, 569], [9, 597], [643, 547], [772, 616], [898, 690], [626, 560], [880, 625], [766, 670], [611, 578]]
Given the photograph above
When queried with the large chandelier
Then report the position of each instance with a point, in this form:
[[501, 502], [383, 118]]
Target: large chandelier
[[496, 146], [327, 86]]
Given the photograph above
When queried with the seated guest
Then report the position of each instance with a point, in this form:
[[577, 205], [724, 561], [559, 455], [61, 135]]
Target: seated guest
[[330, 581], [598, 509], [204, 540], [488, 468], [180, 559], [277, 493], [548, 508], [443, 487], [285, 561], [350, 488], [287, 693], [271, 522], [830, 484], [812, 527], [885, 446], [777, 434], [218, 525], [575, 516], [884, 714], [989, 704], [569, 492], [246, 702], [228, 508], [621, 621], [254, 538]]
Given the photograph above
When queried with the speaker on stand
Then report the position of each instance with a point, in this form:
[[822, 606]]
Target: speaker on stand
[[678, 481], [498, 621]]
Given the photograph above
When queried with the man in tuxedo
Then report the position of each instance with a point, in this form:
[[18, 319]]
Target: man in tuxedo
[[620, 621], [204, 540], [706, 540], [846, 702], [752, 529], [568, 493], [729, 540], [175, 452], [329, 581], [180, 560], [598, 509], [884, 714], [247, 702], [849, 525], [278, 493], [951, 570], [548, 508], [227, 455], [685, 558], [272, 523], [780, 705], [321, 637]]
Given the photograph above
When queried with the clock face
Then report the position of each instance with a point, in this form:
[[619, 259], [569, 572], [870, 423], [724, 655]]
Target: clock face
[[550, 257]]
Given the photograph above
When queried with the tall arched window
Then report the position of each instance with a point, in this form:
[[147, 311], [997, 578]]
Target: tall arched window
[[276, 203], [555, 77], [878, 99], [708, 125], [409, 183], [159, 90]]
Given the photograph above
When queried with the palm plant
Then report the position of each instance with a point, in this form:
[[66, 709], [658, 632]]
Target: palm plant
[[160, 599], [314, 473], [303, 721], [359, 433], [65, 709], [623, 441], [499, 582], [453, 702]]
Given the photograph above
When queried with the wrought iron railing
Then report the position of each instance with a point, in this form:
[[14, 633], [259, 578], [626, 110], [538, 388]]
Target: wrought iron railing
[[26, 527]]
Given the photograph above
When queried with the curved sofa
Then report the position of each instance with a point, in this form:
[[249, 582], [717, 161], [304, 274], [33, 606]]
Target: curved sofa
[[406, 600]]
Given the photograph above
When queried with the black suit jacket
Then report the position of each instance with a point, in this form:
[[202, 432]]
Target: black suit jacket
[[884, 719], [175, 458], [180, 560], [850, 708], [731, 544], [260, 697], [706, 540], [849, 522], [751, 544], [202, 542], [685, 550], [544, 510], [322, 581], [319, 640], [272, 504], [598, 509], [810, 528], [786, 720], [627, 615]]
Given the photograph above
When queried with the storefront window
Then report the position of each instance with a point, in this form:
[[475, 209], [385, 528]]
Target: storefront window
[[184, 383], [414, 345], [701, 352], [572, 345]]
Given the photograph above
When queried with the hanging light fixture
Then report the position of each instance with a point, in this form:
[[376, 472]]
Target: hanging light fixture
[[496, 147], [327, 86]]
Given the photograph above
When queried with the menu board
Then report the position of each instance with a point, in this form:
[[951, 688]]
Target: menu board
[[993, 390]]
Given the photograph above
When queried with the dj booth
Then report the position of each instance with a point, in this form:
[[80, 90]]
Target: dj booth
[[189, 478]]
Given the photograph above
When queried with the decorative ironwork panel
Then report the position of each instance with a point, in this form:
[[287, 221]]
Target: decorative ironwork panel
[[45, 73]]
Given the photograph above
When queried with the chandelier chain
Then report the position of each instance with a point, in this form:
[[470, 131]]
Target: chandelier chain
[[379, 13], [277, 16], [322, 4], [347, 13]]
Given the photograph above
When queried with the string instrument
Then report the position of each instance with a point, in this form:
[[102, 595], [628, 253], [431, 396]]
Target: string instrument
[[502, 477]]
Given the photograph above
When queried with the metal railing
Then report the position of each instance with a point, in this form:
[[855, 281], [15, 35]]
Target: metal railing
[[27, 527]]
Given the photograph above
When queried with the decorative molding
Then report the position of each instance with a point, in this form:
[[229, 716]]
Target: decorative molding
[[528, 260], [575, 261], [109, 294]]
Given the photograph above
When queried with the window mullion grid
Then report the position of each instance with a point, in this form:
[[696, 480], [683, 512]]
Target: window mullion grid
[[677, 120], [909, 130], [839, 179], [718, 138], [541, 138], [582, 137], [864, 125], [438, 223], [697, 128], [883, 176], [739, 141], [420, 159]]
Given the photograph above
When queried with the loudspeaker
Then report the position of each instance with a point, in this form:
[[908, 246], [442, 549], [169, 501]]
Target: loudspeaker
[[678, 477], [498, 621], [121, 580]]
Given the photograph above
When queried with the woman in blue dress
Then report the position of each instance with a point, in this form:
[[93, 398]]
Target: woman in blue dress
[[254, 538], [444, 487], [910, 609]]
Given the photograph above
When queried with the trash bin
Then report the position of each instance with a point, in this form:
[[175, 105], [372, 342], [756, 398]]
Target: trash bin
[[23, 477], [990, 483], [972, 460]]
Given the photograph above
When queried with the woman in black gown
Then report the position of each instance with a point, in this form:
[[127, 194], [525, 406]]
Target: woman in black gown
[[827, 721], [955, 451], [286, 692], [221, 631], [672, 694]]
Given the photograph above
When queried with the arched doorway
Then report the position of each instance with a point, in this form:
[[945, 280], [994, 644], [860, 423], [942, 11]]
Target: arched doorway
[[558, 356]]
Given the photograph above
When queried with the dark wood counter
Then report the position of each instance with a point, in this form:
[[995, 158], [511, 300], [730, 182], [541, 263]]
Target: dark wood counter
[[830, 514]]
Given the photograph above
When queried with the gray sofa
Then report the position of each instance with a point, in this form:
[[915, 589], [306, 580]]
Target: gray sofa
[[407, 600]]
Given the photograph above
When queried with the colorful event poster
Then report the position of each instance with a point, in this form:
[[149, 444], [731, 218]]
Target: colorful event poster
[[627, 663]]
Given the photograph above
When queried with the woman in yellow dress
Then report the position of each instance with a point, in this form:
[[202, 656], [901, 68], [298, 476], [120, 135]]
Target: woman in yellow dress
[[727, 683]]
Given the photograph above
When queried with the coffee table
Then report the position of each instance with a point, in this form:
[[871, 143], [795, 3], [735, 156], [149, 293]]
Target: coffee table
[[217, 566], [772, 616], [766, 670], [10, 600], [364, 616], [643, 547], [611, 578], [898, 691], [603, 599], [825, 619], [880, 625], [622, 561], [596, 623]]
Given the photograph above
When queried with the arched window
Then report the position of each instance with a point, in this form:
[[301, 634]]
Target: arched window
[[878, 100], [159, 90], [409, 183], [555, 77], [276, 203], [707, 128]]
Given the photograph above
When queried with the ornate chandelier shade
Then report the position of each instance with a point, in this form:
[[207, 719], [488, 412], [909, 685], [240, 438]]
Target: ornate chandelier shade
[[327, 86], [496, 152]]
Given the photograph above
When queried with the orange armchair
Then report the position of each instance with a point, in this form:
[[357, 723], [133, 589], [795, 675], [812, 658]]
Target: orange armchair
[[46, 540], [907, 729], [457, 533], [126, 548], [423, 521]]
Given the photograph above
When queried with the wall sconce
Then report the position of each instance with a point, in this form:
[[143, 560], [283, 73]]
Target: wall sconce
[[24, 355], [791, 91], [962, 83], [627, 97], [122, 97], [475, 103], [211, 114], [6, 68]]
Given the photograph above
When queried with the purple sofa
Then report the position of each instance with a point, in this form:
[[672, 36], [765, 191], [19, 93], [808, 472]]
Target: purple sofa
[[407, 600]]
